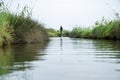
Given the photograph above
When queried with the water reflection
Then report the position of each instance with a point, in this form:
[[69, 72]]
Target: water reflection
[[6, 59], [108, 49], [102, 51], [18, 57], [61, 43], [36, 61], [107, 44]]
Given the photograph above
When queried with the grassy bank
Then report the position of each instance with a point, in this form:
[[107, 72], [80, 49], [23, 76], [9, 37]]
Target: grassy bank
[[19, 28], [102, 30], [56, 33], [79, 32], [26, 30], [5, 33]]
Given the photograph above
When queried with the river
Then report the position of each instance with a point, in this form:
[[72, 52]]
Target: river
[[61, 59]]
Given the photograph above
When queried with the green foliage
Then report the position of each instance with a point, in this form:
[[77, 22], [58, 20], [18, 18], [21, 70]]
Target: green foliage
[[76, 32], [66, 33], [5, 28], [26, 29], [115, 29], [56, 33], [19, 28], [109, 30], [80, 32], [5, 33], [52, 32], [86, 33], [102, 30]]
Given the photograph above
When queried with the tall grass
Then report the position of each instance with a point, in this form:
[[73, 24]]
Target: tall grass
[[5, 33], [102, 30], [27, 30], [108, 30], [52, 32], [56, 33], [19, 28], [80, 32]]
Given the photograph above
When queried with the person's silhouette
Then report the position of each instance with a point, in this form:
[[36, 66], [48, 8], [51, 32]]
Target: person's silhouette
[[61, 29]]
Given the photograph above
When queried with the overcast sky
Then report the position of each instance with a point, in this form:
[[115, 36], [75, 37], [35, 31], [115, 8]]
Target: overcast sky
[[68, 13]]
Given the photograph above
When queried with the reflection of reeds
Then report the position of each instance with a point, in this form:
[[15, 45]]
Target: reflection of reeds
[[107, 49], [6, 60], [19, 57]]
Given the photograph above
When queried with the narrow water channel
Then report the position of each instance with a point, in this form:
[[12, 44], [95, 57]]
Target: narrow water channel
[[62, 59]]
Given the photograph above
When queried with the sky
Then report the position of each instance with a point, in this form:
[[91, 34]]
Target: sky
[[68, 13]]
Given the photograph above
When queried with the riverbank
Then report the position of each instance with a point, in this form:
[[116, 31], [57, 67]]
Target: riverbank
[[101, 30], [56, 33], [19, 28]]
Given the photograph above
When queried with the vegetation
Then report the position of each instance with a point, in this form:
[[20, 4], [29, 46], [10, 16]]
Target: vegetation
[[5, 34], [26, 30], [66, 33], [102, 30], [19, 28], [80, 32], [52, 32], [56, 33]]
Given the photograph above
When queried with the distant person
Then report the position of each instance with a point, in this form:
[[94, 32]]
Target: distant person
[[61, 29]]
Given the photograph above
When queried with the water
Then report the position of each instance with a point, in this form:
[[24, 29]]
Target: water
[[62, 59]]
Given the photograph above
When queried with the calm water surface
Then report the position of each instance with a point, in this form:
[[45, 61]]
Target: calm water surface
[[62, 59]]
